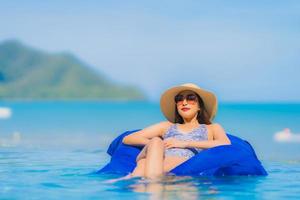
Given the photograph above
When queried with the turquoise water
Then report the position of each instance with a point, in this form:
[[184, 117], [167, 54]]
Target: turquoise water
[[61, 144]]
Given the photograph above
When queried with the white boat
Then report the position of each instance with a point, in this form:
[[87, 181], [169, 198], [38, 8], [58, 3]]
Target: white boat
[[5, 112], [286, 136]]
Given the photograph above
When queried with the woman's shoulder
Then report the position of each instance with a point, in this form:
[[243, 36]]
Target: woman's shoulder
[[213, 125], [166, 124], [212, 129]]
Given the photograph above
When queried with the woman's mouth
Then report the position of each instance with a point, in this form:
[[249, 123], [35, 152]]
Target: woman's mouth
[[185, 109]]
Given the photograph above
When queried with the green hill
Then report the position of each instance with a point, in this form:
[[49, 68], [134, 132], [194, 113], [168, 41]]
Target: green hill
[[27, 73]]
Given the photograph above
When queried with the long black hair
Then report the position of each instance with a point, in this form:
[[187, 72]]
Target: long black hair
[[202, 116]]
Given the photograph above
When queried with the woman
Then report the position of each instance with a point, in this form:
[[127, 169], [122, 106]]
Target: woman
[[189, 111]]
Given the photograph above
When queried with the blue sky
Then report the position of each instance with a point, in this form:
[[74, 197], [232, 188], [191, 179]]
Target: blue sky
[[243, 51]]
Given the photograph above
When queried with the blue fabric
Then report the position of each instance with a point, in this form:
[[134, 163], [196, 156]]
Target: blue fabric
[[239, 158]]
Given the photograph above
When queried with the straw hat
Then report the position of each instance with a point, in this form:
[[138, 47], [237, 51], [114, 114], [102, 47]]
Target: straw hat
[[167, 103]]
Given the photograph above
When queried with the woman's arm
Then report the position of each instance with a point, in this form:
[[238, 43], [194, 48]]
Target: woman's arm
[[219, 138], [142, 137]]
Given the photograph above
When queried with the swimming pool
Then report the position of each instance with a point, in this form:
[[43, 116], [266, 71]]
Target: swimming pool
[[69, 174], [62, 145]]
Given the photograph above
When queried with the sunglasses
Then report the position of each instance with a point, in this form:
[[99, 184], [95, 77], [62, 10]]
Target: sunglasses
[[190, 98]]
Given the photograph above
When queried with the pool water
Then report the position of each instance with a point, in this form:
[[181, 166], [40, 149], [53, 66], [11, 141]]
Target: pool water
[[63, 144], [70, 174]]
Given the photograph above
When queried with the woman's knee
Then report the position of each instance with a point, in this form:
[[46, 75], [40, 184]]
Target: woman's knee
[[156, 141]]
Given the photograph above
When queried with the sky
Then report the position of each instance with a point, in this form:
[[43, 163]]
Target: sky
[[240, 50]]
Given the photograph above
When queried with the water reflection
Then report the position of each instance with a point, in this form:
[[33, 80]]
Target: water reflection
[[168, 187], [187, 187]]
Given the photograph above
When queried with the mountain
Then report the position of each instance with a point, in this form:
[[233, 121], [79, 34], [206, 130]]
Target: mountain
[[28, 73]]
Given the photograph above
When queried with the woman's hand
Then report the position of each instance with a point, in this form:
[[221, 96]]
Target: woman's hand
[[172, 142]]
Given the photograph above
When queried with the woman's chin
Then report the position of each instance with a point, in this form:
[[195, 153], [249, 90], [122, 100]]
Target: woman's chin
[[187, 116]]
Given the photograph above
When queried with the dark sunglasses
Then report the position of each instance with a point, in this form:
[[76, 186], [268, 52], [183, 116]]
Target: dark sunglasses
[[190, 98]]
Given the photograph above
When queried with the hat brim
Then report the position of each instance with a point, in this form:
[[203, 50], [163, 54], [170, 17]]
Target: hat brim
[[167, 103]]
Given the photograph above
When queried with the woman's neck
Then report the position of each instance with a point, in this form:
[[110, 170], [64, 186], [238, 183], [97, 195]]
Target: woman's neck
[[191, 122]]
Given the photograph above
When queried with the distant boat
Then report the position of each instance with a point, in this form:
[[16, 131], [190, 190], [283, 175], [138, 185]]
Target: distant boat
[[5, 112], [286, 136]]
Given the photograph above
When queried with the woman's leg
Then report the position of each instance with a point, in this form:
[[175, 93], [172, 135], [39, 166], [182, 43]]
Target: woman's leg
[[154, 158], [139, 170], [171, 162], [149, 161]]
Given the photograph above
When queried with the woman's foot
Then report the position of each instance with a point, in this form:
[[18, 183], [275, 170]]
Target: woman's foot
[[118, 179]]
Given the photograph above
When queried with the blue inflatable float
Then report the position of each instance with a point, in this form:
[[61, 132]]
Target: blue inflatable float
[[239, 158]]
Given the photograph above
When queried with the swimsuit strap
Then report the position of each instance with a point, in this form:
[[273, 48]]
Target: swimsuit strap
[[194, 150]]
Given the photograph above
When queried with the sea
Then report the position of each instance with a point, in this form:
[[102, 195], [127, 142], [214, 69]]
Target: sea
[[53, 149]]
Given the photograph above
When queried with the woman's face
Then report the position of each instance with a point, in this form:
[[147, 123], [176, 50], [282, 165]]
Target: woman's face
[[187, 108]]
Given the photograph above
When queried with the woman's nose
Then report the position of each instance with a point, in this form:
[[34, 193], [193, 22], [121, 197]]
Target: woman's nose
[[184, 102]]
